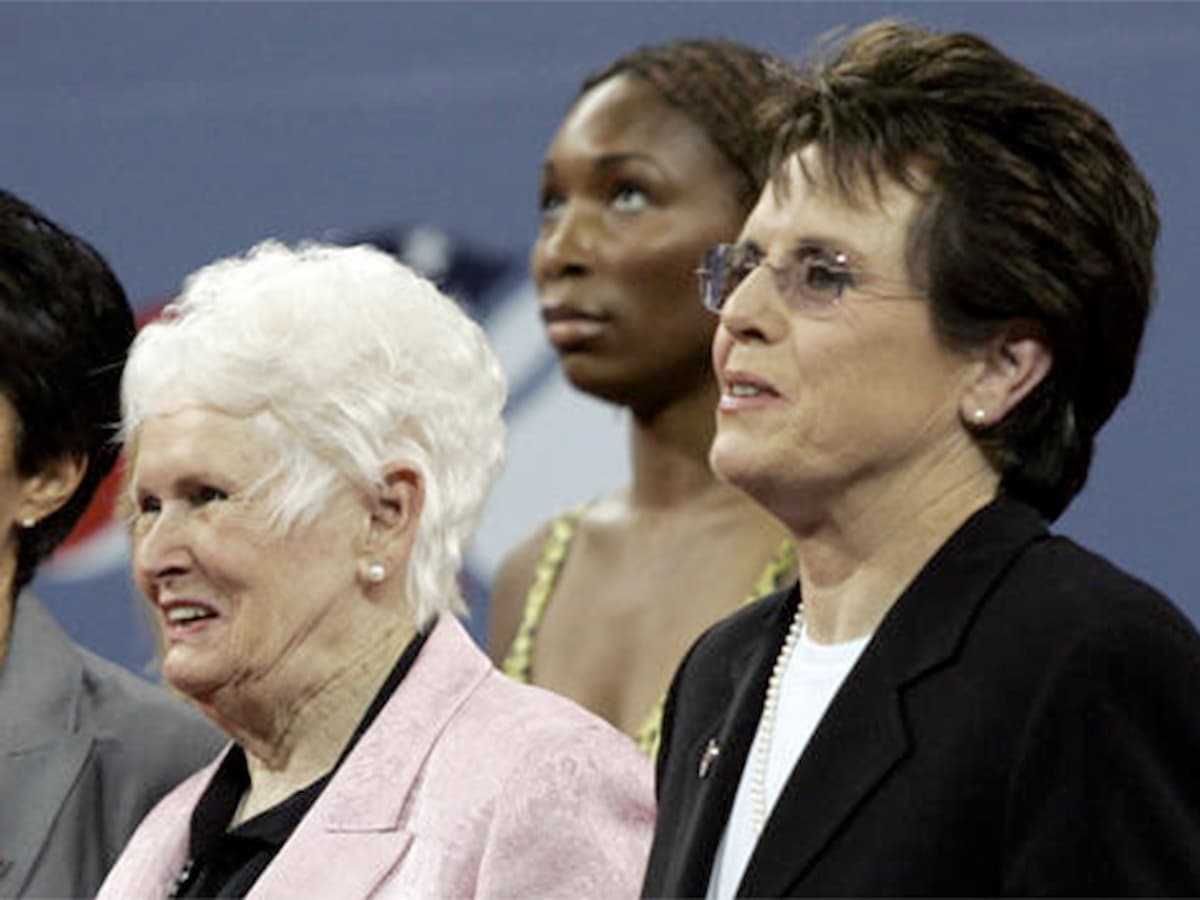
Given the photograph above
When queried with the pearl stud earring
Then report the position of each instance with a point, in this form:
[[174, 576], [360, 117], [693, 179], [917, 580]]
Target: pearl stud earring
[[979, 415], [376, 573], [28, 523]]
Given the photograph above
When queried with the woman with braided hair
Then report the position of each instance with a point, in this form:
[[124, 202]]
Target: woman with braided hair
[[658, 159]]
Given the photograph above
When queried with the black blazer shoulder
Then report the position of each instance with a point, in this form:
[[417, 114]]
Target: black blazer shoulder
[[720, 655], [1025, 700]]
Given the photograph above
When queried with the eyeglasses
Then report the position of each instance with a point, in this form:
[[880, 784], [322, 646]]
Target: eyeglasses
[[813, 278]]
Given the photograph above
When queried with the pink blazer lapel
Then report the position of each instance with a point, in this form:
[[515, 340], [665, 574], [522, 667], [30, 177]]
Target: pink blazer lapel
[[154, 856], [356, 833]]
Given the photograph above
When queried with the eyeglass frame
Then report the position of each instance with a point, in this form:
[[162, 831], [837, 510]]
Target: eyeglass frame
[[801, 259]]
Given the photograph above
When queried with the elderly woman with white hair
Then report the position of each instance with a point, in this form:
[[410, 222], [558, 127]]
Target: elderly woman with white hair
[[312, 436]]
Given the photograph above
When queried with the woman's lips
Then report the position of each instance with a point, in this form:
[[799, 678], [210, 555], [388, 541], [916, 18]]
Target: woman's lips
[[569, 329], [182, 618], [742, 391]]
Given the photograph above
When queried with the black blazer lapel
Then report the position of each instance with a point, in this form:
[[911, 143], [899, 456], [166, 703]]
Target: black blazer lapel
[[864, 736], [859, 741], [713, 777]]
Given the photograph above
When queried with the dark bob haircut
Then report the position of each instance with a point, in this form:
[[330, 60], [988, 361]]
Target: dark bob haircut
[[1035, 213], [65, 326]]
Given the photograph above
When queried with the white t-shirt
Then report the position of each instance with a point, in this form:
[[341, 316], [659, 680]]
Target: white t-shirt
[[812, 677]]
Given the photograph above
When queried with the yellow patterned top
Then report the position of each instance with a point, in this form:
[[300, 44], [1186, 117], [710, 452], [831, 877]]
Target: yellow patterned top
[[518, 662]]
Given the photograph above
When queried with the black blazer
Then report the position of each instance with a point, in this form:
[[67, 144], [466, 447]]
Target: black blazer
[[1026, 720]]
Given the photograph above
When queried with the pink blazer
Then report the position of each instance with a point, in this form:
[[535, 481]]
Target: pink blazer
[[466, 785]]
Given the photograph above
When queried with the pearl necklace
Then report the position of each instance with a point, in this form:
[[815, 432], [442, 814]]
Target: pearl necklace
[[765, 735]]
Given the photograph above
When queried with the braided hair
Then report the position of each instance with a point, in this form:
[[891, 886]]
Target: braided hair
[[718, 85]]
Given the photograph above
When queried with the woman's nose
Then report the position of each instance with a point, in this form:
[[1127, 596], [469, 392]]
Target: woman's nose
[[160, 546], [755, 311], [566, 246]]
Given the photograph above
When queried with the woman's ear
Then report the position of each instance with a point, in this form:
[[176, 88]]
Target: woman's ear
[[395, 512], [1014, 363], [46, 491]]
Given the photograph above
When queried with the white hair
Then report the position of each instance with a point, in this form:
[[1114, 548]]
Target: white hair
[[351, 361]]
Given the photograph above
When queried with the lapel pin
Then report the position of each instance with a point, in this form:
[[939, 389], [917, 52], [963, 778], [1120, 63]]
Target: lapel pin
[[711, 751]]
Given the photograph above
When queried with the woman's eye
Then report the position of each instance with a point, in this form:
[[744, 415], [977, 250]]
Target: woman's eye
[[826, 278], [549, 204], [742, 264], [737, 274], [138, 512], [207, 494], [629, 198]]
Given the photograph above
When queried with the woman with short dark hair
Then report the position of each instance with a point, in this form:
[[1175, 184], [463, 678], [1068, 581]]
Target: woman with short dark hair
[[932, 310]]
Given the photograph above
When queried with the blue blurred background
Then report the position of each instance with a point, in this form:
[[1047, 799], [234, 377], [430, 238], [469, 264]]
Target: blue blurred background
[[171, 134]]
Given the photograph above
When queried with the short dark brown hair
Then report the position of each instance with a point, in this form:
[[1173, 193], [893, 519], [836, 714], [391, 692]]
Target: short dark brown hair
[[716, 84], [1035, 213]]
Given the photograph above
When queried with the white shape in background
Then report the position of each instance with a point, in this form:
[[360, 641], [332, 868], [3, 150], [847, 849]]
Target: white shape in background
[[563, 446]]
